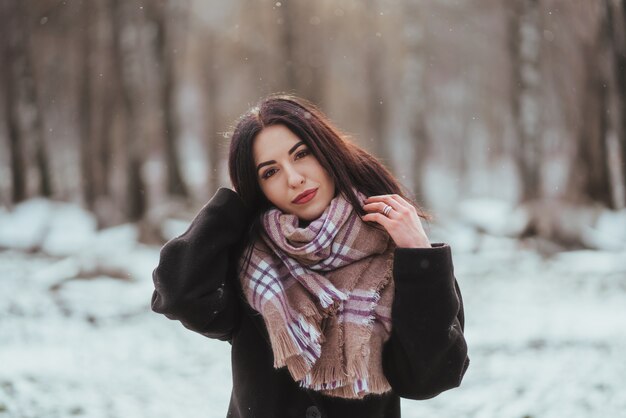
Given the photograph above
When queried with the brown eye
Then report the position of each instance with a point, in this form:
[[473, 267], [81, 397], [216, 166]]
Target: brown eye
[[267, 173], [302, 153]]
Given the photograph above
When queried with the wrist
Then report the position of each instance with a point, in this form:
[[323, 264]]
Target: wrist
[[422, 242]]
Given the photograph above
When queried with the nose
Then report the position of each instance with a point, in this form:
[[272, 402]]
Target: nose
[[294, 178]]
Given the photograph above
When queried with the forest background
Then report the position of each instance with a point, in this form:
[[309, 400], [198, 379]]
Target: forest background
[[126, 106]]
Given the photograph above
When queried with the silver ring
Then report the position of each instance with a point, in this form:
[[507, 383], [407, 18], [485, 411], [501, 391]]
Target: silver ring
[[386, 210]]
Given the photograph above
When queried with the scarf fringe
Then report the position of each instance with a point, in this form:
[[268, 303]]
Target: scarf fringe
[[327, 374], [298, 367], [307, 382], [360, 388], [357, 367], [354, 390], [332, 299], [324, 378], [298, 338], [284, 346], [379, 384]]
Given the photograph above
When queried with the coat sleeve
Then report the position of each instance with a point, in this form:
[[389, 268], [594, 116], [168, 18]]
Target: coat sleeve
[[426, 352], [194, 280]]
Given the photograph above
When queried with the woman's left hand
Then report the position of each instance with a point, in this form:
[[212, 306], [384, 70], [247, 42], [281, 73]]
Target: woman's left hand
[[402, 223]]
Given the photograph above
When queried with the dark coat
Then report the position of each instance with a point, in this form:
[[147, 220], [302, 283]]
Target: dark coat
[[195, 283]]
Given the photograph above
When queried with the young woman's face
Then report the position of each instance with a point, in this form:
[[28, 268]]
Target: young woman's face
[[286, 168]]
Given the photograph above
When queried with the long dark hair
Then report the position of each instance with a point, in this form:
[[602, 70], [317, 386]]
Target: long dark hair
[[347, 164]]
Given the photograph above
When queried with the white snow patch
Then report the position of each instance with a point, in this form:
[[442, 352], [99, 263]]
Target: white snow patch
[[589, 262], [25, 226], [173, 228], [70, 228], [494, 216], [609, 232], [102, 298]]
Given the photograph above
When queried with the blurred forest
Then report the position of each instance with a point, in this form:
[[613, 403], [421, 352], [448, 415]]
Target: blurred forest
[[124, 106]]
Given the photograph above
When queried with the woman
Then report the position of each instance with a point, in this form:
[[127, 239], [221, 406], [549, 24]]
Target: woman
[[317, 270]]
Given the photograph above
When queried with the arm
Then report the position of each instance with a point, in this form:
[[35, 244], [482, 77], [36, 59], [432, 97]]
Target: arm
[[194, 280], [426, 353]]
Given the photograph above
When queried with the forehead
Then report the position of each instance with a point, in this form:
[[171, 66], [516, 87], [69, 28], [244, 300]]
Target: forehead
[[273, 141]]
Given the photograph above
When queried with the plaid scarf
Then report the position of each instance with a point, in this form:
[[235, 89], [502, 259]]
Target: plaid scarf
[[325, 294]]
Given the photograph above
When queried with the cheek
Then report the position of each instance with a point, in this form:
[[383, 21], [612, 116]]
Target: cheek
[[319, 171], [327, 178]]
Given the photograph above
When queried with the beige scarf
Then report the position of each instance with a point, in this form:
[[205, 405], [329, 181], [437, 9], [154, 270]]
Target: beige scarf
[[325, 293]]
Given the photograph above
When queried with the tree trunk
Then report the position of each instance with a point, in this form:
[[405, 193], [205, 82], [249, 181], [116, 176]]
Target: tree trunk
[[211, 83], [590, 179], [123, 60], [164, 45], [104, 149], [18, 167], [9, 35], [311, 75], [87, 154], [377, 106], [616, 27], [287, 42], [525, 53], [28, 96], [413, 86], [107, 88], [620, 63]]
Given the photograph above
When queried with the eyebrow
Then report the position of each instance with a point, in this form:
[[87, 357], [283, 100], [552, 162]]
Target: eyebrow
[[291, 150]]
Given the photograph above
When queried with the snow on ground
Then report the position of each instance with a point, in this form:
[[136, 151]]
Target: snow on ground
[[78, 338]]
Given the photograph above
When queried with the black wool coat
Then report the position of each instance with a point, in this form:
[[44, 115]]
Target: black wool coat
[[195, 283]]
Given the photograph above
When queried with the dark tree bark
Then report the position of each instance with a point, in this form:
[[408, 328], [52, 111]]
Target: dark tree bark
[[616, 28], [210, 76], [377, 104], [620, 63], [123, 61], [590, 179], [413, 85], [164, 44], [25, 117], [34, 125], [107, 89], [104, 149], [10, 43], [525, 52], [310, 56], [287, 44], [87, 155]]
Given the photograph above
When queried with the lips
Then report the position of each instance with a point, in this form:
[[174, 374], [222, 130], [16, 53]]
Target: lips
[[305, 196]]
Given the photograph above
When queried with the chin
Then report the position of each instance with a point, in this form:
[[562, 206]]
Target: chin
[[313, 213], [309, 216]]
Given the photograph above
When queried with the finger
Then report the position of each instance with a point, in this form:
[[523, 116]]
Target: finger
[[396, 199], [401, 200], [385, 198], [401, 204], [398, 207], [378, 218], [380, 207]]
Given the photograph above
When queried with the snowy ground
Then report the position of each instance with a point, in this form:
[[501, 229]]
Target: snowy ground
[[77, 336]]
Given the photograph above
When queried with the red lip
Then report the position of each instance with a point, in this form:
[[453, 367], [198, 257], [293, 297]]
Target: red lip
[[304, 195]]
